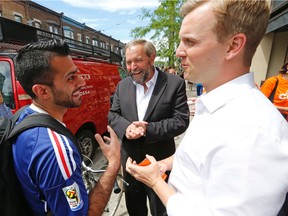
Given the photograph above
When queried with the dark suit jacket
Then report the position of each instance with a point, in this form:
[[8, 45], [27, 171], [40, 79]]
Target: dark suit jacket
[[167, 116]]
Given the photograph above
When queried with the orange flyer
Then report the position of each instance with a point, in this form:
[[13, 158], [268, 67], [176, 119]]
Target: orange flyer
[[146, 162]]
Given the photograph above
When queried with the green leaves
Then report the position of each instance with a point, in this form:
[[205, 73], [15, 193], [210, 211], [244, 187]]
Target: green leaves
[[164, 25]]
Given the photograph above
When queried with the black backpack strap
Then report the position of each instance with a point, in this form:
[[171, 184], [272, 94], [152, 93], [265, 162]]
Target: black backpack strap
[[8, 124], [271, 97], [18, 113], [43, 120]]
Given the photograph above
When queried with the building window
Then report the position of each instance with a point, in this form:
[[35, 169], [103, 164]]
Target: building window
[[18, 18], [87, 40], [37, 23], [69, 34], [79, 37], [95, 42], [53, 29], [116, 50], [53, 26]]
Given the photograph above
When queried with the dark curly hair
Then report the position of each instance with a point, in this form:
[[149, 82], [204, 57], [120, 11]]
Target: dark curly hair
[[32, 63]]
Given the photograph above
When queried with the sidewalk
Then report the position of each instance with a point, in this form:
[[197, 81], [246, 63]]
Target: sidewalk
[[122, 211]]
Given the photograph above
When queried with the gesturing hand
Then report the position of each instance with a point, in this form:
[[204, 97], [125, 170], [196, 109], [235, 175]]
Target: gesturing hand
[[110, 148], [148, 175]]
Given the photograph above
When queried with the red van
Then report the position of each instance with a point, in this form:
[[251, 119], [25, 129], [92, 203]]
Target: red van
[[101, 78]]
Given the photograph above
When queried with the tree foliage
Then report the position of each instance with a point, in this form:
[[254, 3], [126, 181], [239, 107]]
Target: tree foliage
[[164, 24]]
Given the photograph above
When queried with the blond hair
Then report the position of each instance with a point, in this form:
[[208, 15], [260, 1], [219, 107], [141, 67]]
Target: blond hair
[[249, 17]]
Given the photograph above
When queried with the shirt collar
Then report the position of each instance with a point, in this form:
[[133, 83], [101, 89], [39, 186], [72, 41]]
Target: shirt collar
[[218, 97], [37, 109], [40, 110]]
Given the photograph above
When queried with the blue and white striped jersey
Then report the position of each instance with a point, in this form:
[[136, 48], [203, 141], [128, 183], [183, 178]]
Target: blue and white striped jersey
[[48, 166]]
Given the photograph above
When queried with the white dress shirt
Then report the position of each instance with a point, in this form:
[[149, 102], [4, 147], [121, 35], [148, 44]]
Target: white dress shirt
[[142, 98], [233, 160]]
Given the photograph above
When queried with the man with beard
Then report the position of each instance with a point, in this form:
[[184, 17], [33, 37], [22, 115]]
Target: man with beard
[[47, 163], [149, 109], [233, 158]]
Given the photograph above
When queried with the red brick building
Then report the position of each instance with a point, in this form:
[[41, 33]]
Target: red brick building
[[33, 14]]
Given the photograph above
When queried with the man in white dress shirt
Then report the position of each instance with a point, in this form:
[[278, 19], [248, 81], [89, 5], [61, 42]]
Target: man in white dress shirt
[[233, 160]]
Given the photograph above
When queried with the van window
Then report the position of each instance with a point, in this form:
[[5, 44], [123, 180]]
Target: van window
[[6, 84]]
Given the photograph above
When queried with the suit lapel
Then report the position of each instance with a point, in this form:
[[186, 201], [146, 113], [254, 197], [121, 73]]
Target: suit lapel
[[159, 88], [132, 99]]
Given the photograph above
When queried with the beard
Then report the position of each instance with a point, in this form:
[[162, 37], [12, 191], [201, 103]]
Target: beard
[[63, 99], [139, 76]]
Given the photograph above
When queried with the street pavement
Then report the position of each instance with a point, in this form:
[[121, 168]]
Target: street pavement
[[122, 211]]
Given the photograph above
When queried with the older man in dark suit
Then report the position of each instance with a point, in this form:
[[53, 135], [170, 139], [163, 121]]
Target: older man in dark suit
[[149, 109]]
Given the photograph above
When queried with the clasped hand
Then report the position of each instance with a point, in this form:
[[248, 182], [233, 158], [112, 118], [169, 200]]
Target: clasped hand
[[136, 129]]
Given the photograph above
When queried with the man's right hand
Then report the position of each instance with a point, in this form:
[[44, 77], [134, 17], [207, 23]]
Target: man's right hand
[[110, 148]]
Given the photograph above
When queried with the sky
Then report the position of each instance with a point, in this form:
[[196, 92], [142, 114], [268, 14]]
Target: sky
[[115, 18]]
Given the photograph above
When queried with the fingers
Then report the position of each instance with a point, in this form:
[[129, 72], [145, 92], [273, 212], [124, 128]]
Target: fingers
[[163, 167], [110, 146], [151, 158], [134, 131], [113, 137], [129, 165], [99, 139], [140, 123], [112, 132], [146, 174], [141, 126]]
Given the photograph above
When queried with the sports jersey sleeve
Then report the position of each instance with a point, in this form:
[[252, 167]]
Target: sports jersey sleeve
[[63, 186], [49, 166]]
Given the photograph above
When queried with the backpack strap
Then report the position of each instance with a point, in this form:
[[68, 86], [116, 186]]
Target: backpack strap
[[18, 113], [271, 97], [43, 120], [7, 124]]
